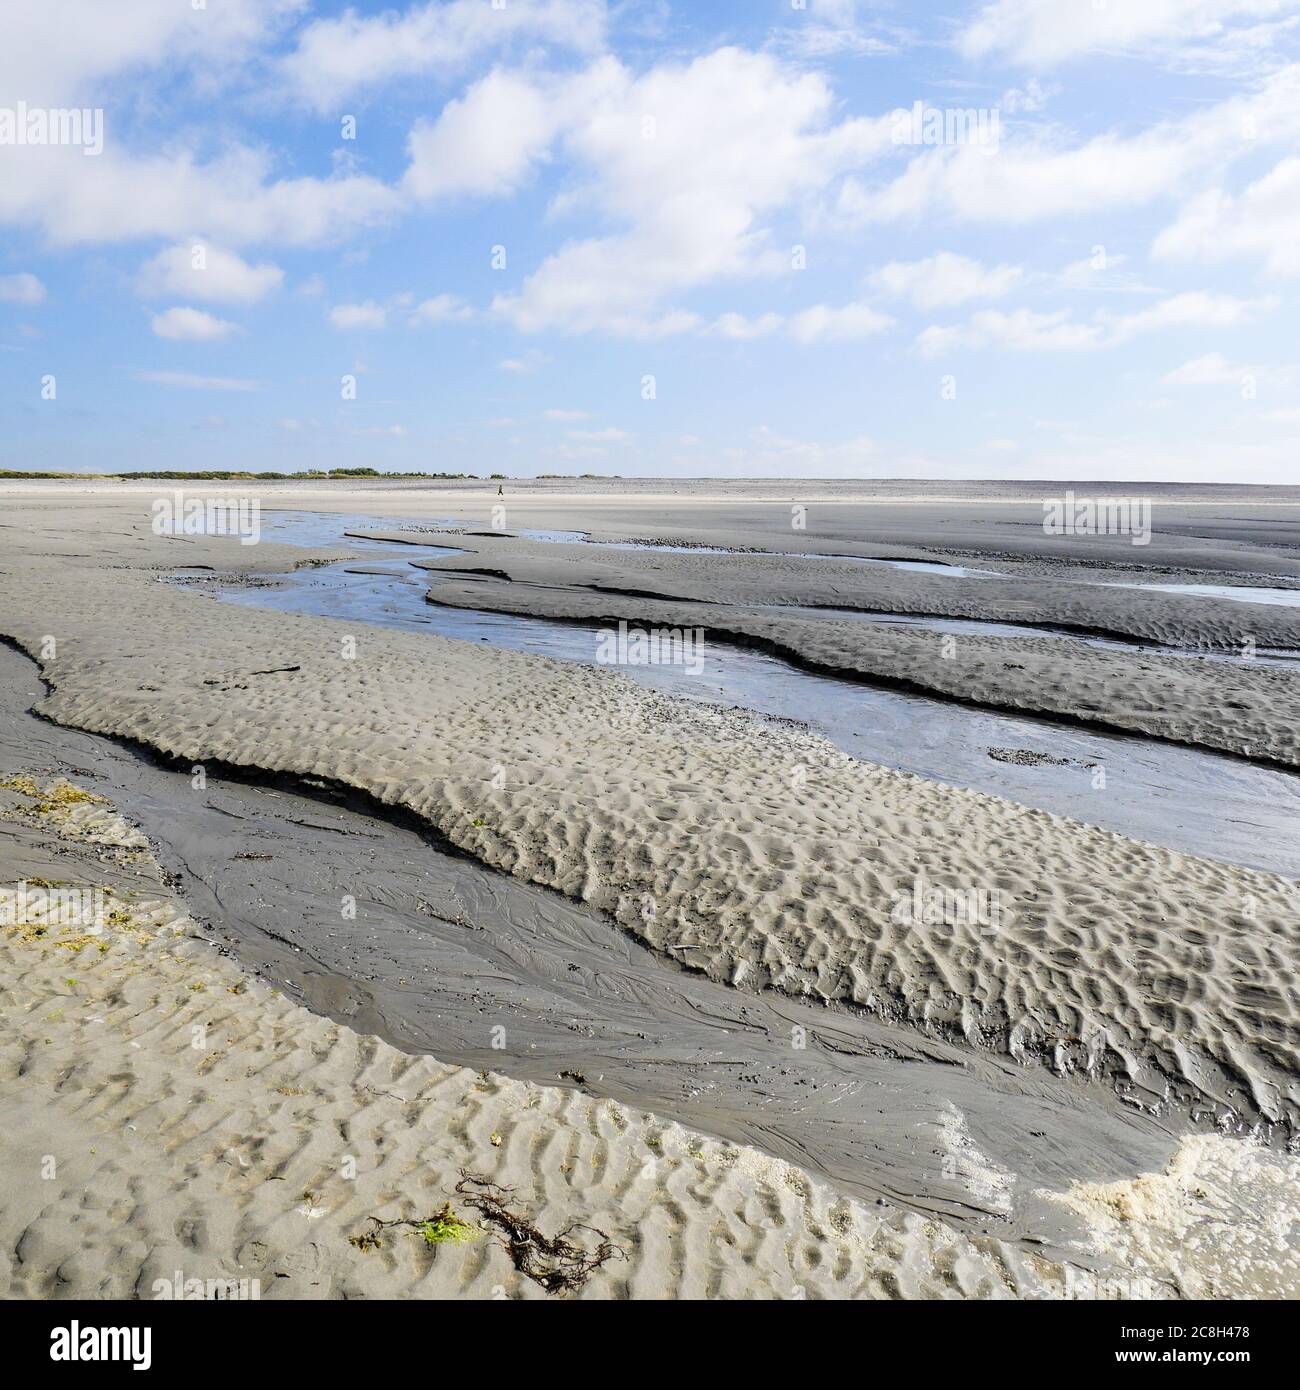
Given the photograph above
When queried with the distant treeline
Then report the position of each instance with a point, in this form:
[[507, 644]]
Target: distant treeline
[[230, 475], [224, 475]]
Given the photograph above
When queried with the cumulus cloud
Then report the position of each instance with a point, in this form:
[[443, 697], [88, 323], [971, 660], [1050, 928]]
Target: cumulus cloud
[[337, 57], [1035, 176], [197, 271], [1262, 224], [191, 326], [691, 211], [63, 52], [1026, 330], [487, 142], [818, 323], [823, 323], [234, 198], [442, 308]]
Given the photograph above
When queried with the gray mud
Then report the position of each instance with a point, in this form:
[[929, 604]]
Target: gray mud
[[1186, 799], [444, 952]]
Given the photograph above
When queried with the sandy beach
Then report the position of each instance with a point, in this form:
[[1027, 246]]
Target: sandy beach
[[390, 906]]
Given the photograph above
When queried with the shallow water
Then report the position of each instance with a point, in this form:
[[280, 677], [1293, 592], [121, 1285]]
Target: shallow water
[[918, 566], [1182, 798], [1236, 593], [329, 528]]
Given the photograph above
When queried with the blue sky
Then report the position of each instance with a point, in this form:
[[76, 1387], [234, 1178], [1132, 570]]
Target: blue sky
[[1097, 278]]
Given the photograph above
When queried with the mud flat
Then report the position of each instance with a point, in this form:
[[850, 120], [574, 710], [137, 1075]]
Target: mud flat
[[773, 865], [205, 1127], [1182, 798]]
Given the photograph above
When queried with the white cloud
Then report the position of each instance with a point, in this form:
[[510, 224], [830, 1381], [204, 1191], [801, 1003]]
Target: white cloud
[[1030, 98], [1024, 179], [1197, 308], [832, 28], [692, 210], [485, 143], [817, 323], [191, 326], [554, 414], [822, 323], [1042, 33], [335, 58], [737, 326], [946, 279], [1213, 369], [122, 197], [64, 51], [197, 271], [1026, 330], [189, 382], [1263, 224], [23, 288], [442, 308], [366, 316]]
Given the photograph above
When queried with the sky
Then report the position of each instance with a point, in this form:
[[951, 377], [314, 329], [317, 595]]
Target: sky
[[779, 238]]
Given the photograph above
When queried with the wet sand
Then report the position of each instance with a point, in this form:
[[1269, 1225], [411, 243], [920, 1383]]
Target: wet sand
[[1135, 993]]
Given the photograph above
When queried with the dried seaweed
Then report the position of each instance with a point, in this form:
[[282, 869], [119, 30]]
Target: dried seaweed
[[558, 1264]]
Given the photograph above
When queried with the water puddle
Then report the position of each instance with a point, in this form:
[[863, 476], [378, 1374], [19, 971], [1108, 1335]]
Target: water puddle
[[322, 529], [917, 566]]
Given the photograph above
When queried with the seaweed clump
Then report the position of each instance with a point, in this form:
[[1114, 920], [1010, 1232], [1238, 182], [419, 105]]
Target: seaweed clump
[[442, 1228], [558, 1264]]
